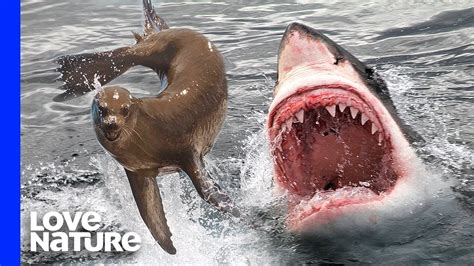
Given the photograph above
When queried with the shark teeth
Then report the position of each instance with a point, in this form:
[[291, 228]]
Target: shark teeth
[[363, 118], [287, 126], [331, 109], [342, 107], [300, 116], [374, 128], [354, 112]]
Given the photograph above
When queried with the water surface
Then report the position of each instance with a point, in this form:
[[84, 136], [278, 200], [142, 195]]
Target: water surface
[[424, 49]]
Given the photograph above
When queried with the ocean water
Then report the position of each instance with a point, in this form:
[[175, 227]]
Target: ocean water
[[423, 49]]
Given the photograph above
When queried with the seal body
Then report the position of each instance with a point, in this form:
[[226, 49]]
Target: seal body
[[169, 132], [184, 120]]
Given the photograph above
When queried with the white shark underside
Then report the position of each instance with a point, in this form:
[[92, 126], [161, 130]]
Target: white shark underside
[[336, 141]]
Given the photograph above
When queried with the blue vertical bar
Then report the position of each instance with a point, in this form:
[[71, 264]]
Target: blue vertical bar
[[10, 134]]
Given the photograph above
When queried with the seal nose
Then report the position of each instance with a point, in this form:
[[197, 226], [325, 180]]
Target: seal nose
[[111, 123], [111, 126]]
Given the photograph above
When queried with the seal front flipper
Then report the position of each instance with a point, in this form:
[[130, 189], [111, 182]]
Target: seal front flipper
[[147, 196], [207, 189], [80, 72]]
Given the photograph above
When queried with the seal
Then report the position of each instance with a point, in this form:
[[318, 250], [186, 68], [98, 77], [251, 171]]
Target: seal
[[166, 133]]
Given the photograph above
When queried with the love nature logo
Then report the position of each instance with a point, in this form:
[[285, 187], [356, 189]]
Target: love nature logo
[[45, 234]]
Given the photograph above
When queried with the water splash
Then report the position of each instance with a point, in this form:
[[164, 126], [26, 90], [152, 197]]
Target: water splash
[[439, 149], [200, 233], [96, 83]]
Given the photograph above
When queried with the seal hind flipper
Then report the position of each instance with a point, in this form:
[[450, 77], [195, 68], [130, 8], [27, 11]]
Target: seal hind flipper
[[153, 22], [207, 189], [147, 196], [80, 72]]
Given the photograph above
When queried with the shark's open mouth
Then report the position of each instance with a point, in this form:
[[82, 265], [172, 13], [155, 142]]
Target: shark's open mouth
[[335, 135], [331, 149]]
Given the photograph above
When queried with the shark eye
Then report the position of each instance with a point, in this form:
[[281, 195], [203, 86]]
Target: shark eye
[[125, 110]]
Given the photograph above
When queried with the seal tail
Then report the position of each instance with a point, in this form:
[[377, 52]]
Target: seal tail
[[153, 23], [82, 73]]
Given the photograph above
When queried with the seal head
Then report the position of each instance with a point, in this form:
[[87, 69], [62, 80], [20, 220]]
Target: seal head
[[113, 109]]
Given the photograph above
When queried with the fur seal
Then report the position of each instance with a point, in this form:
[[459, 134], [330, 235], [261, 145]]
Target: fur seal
[[154, 135]]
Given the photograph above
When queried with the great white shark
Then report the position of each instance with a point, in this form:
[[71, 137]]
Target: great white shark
[[336, 140]]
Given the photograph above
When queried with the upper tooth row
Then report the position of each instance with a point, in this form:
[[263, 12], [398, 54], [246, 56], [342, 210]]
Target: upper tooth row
[[354, 111], [299, 116]]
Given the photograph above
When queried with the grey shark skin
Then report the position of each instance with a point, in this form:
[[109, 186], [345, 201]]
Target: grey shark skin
[[156, 135], [336, 139]]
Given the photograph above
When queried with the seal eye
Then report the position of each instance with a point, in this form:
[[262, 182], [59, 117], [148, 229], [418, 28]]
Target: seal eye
[[125, 110], [102, 110]]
